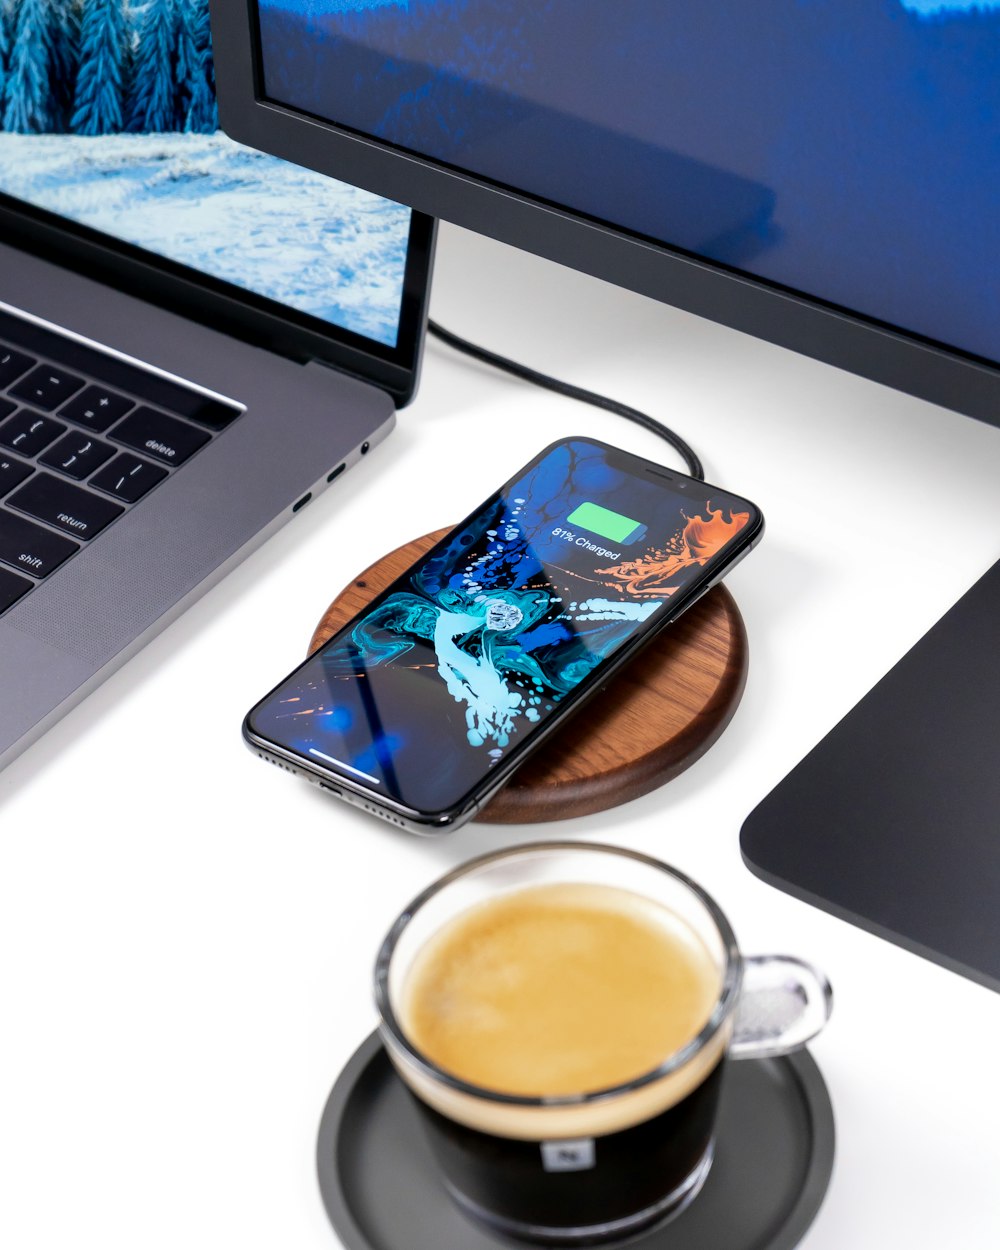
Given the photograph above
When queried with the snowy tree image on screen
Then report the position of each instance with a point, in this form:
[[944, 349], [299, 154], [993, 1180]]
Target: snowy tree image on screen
[[100, 67]]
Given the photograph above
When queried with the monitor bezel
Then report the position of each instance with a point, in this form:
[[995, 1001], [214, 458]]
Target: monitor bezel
[[887, 354]]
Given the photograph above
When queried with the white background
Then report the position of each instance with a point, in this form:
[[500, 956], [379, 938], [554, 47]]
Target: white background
[[186, 935]]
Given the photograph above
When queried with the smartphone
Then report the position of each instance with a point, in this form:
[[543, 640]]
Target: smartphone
[[422, 706]]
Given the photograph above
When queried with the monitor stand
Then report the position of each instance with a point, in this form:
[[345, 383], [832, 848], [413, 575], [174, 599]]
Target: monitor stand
[[660, 715]]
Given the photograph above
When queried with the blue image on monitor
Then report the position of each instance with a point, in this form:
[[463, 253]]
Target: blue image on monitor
[[845, 149]]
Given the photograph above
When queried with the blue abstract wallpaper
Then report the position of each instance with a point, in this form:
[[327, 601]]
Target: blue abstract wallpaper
[[488, 634], [847, 149]]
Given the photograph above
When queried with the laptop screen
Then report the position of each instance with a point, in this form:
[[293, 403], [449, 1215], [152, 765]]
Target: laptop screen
[[108, 119]]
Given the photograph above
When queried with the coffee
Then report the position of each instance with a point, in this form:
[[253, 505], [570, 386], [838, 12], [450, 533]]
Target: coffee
[[563, 1014], [591, 1190], [555, 990]]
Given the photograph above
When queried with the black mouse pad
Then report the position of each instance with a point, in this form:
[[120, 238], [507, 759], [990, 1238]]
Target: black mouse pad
[[893, 821]]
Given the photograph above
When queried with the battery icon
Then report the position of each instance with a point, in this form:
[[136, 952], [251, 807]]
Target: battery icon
[[608, 524]]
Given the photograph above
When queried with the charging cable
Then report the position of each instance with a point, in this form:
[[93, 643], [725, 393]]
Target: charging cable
[[690, 457]]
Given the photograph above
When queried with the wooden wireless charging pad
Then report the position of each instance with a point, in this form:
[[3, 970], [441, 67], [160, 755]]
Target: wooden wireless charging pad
[[659, 715]]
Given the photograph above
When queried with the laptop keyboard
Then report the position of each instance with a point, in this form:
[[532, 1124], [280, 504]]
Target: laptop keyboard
[[84, 436]]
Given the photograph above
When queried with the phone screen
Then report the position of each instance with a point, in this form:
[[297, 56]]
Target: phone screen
[[483, 640]]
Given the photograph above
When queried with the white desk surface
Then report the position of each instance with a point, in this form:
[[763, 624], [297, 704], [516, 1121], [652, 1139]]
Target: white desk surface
[[187, 935]]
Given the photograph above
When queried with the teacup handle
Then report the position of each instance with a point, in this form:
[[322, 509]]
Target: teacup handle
[[784, 1003]]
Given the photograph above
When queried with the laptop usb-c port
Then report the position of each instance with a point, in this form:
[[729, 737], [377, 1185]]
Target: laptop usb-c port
[[302, 502]]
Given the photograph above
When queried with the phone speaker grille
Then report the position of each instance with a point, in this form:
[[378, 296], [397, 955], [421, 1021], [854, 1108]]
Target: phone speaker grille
[[384, 815], [375, 811], [278, 764]]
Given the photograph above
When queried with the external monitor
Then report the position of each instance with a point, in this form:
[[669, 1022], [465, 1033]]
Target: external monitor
[[823, 175]]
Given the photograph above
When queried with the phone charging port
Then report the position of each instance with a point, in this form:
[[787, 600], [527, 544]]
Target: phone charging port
[[325, 785]]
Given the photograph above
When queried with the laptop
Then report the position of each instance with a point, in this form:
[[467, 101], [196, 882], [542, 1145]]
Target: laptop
[[195, 339]]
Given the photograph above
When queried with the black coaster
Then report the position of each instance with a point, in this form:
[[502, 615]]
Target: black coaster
[[773, 1160]]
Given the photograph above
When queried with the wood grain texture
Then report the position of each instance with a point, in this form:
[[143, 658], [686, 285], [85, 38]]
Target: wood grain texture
[[658, 716]]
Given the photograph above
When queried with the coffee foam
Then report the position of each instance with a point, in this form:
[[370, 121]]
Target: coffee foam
[[558, 991]]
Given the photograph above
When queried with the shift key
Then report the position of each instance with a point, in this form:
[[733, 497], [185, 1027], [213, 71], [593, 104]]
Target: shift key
[[164, 438], [67, 507], [30, 548]]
